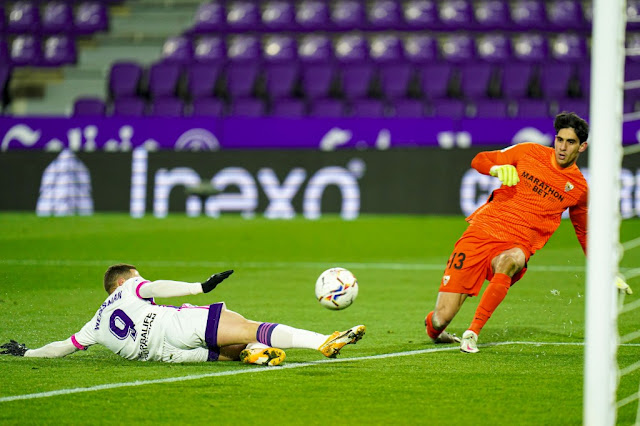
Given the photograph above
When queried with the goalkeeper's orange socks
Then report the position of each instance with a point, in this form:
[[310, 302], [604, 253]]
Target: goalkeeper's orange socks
[[492, 297], [431, 331]]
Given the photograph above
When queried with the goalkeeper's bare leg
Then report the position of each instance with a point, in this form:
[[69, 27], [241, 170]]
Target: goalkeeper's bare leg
[[447, 306]]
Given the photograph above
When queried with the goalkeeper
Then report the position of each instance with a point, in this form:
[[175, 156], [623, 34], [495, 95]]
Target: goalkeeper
[[538, 184], [130, 324]]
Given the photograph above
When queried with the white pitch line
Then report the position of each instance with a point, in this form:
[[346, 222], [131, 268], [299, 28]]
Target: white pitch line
[[266, 264], [266, 369]]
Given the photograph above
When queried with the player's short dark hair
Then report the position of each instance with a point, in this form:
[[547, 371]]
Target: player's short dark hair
[[571, 120], [113, 273]]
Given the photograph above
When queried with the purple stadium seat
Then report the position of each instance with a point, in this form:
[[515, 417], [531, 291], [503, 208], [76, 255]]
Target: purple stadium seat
[[207, 107], [209, 17], [569, 48], [89, 107], [458, 48], [247, 107], [532, 108], [313, 15], [630, 105], [59, 50], [566, 14], [420, 49], [517, 77], [352, 54], [633, 13], [579, 106], [455, 14], [386, 49], [568, 52], [317, 68], [124, 79], [584, 80], [530, 47], [434, 79], [24, 18], [129, 106], [57, 18], [201, 79], [394, 72], [475, 79], [178, 50], [492, 14], [243, 15], [332, 108], [281, 68], [494, 48], [5, 55], [452, 108], [91, 17], [163, 79], [289, 108], [491, 108], [408, 108], [3, 19], [26, 50], [167, 106], [210, 49], [348, 15], [385, 15], [244, 61], [371, 108], [421, 14], [278, 15], [528, 14]]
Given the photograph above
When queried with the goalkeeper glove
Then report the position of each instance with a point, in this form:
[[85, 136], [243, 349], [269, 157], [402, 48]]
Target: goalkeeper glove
[[623, 287], [507, 174], [13, 348], [214, 280]]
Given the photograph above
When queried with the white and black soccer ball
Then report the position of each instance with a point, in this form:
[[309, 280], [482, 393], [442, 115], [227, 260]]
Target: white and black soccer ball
[[336, 288]]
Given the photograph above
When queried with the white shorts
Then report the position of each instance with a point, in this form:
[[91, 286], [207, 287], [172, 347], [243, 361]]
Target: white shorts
[[193, 329]]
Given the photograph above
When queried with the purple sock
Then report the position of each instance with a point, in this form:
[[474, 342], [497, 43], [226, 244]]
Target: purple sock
[[263, 335]]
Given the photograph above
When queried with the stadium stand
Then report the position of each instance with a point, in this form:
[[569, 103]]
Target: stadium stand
[[405, 58]]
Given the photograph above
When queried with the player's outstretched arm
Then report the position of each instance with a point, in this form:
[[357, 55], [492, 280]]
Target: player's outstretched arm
[[214, 280], [168, 288], [52, 350]]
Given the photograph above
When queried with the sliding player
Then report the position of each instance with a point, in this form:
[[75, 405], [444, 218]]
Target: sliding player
[[130, 324], [538, 184]]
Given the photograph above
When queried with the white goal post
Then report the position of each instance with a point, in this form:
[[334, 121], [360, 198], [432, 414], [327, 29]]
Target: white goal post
[[605, 158]]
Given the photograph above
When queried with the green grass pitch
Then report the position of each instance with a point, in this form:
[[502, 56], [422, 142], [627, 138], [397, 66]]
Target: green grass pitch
[[51, 284]]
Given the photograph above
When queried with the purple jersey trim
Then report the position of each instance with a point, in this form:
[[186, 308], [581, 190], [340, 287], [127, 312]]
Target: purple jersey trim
[[263, 335], [76, 344], [211, 331]]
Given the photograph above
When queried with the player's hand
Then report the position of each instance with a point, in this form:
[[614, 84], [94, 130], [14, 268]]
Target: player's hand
[[13, 348], [214, 280], [507, 174], [622, 285]]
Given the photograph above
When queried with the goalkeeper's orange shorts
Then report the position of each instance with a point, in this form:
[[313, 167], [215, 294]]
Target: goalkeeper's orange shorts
[[470, 263]]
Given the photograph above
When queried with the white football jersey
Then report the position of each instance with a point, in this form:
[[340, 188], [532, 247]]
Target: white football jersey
[[127, 324]]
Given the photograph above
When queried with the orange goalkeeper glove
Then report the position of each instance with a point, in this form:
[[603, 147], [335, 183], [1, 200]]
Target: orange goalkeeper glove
[[507, 174]]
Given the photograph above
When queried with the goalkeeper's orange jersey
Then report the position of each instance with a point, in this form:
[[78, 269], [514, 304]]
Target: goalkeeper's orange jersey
[[530, 212]]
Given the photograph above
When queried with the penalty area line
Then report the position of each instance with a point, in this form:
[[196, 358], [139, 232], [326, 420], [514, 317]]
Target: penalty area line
[[287, 366]]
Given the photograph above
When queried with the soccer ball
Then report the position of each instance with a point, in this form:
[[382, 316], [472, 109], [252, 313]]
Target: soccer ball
[[336, 288]]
